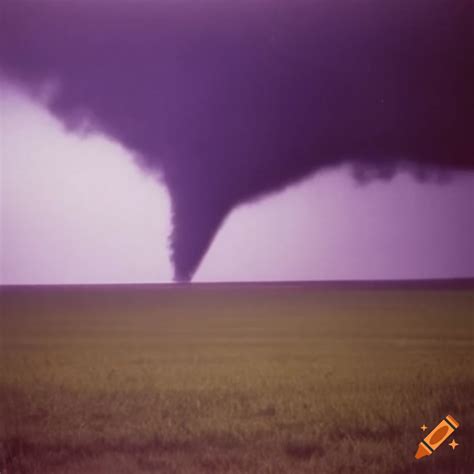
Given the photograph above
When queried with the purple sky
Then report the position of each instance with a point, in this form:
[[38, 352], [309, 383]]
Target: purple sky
[[231, 101], [61, 224]]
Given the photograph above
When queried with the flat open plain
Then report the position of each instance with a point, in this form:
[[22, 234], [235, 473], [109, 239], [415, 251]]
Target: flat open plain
[[302, 378]]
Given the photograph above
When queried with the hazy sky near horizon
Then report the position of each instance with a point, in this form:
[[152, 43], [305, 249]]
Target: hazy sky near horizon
[[77, 209]]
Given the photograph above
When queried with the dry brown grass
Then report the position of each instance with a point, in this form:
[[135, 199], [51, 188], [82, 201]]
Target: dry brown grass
[[233, 380]]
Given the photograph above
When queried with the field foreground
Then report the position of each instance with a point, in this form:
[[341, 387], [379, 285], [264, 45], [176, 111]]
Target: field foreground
[[234, 379]]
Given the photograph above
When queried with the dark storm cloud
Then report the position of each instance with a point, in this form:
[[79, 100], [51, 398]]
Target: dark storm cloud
[[233, 99]]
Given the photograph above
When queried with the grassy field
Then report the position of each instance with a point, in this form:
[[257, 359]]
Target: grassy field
[[234, 379]]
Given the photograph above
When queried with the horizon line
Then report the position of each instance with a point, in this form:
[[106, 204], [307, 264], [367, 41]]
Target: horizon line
[[439, 282]]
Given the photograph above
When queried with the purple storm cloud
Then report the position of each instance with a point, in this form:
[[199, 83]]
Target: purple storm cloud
[[231, 100]]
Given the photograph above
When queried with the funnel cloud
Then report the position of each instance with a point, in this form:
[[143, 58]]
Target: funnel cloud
[[231, 100]]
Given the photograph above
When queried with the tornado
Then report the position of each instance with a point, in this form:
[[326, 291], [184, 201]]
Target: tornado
[[231, 100]]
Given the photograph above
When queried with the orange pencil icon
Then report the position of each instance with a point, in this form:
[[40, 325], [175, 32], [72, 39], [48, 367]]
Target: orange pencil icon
[[437, 437]]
